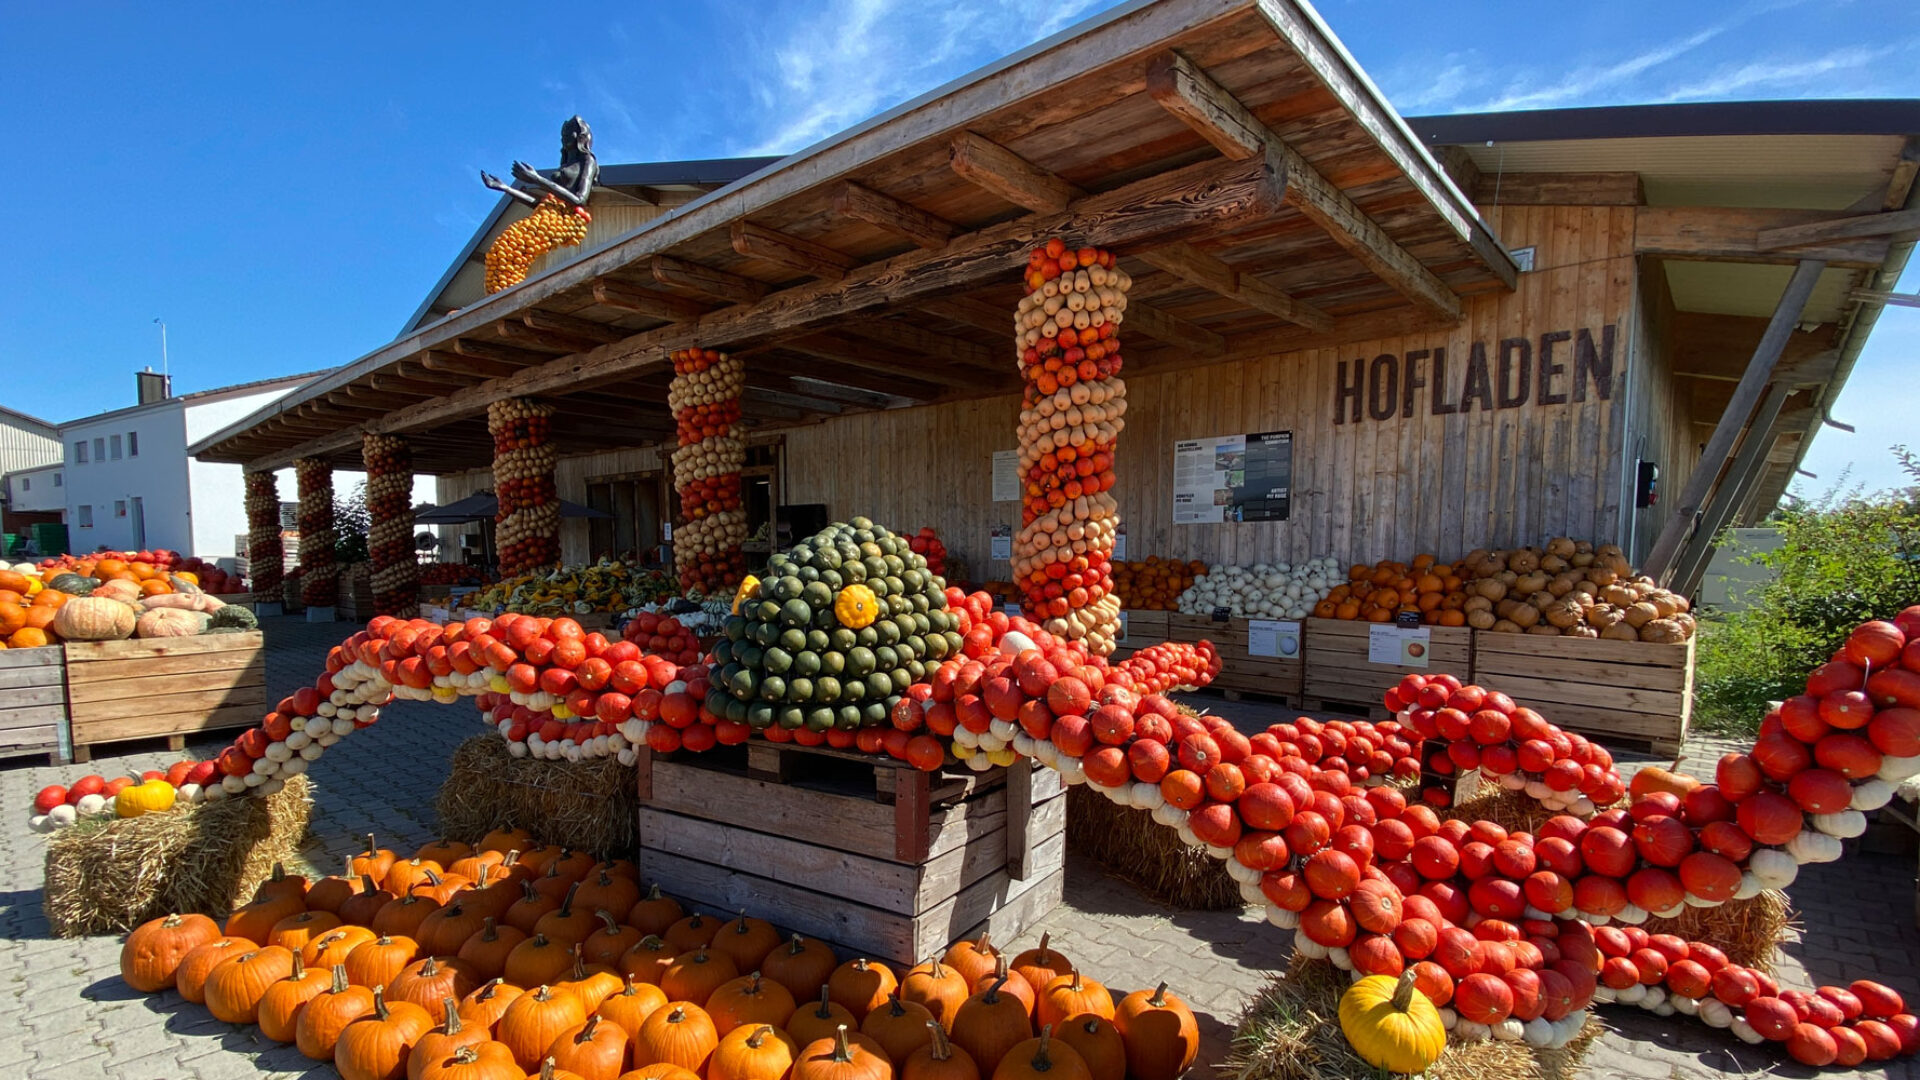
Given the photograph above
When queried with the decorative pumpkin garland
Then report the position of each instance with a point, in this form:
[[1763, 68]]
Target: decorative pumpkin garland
[[1071, 414], [319, 586], [266, 559], [396, 569], [552, 224], [705, 399], [528, 534]]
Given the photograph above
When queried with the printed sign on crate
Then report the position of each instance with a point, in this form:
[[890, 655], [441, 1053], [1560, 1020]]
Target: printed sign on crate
[[1399, 646], [1273, 637]]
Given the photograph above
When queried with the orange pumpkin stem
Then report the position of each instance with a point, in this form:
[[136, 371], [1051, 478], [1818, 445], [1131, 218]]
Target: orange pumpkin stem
[[1403, 990], [759, 1035], [299, 969], [465, 1055], [942, 1049], [380, 1002], [606, 918], [842, 1053], [451, 1026], [1041, 1062], [586, 1033], [823, 1012], [340, 983], [1159, 997]]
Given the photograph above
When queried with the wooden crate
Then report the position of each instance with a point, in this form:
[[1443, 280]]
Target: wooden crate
[[1339, 673], [1144, 628], [175, 687], [33, 703], [1640, 691], [880, 859], [1240, 671], [354, 603]]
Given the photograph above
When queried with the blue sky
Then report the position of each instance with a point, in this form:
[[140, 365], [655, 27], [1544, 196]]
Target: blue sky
[[282, 183]]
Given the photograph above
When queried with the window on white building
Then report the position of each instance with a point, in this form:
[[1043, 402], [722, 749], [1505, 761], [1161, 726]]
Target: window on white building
[[99, 449], [26, 483], [80, 452], [58, 480], [133, 444], [119, 508], [86, 517], [115, 443]]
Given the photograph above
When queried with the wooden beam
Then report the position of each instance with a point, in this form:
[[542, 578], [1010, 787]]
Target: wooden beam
[[419, 372], [1460, 168], [573, 326], [1190, 264], [654, 305], [1846, 228], [1732, 234], [1173, 330], [1193, 97], [1203, 197], [494, 350], [707, 281], [393, 384], [1906, 172], [1560, 189], [989, 165], [793, 252], [1733, 490], [520, 333], [436, 360], [903, 219], [1701, 482], [871, 357], [971, 312], [945, 346]]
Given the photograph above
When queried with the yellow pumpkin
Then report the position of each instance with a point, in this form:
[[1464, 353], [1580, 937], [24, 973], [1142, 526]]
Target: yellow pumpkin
[[749, 588], [856, 607], [152, 797], [1392, 1025]]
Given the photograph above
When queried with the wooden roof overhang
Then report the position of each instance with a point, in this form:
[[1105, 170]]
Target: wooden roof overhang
[[1259, 189]]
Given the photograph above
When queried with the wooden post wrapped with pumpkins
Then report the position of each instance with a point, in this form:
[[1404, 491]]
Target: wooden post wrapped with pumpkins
[[318, 589], [396, 570], [523, 461], [1070, 417], [266, 560], [705, 398]]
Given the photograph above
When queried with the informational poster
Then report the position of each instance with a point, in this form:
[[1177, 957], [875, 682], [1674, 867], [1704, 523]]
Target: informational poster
[[1001, 545], [1400, 646], [1275, 638], [1233, 478], [1120, 545], [1006, 476], [1120, 633]]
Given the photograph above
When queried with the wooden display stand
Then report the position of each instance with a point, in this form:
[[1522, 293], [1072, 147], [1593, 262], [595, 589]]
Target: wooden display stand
[[1271, 677], [33, 702], [1338, 672], [1144, 628], [142, 688], [355, 603], [872, 855], [1636, 691]]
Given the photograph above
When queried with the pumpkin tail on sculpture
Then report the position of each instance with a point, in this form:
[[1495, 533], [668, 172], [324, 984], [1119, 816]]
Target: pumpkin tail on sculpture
[[552, 225]]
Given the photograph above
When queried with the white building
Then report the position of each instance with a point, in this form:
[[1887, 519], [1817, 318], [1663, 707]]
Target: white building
[[27, 443], [129, 484]]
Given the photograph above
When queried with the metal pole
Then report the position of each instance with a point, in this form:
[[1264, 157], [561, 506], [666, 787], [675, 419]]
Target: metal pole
[[165, 370]]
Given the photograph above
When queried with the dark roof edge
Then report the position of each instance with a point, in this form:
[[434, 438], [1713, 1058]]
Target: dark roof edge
[[1831, 116], [50, 430]]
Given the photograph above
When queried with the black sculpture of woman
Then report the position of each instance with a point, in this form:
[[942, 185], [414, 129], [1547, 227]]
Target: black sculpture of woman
[[559, 217], [578, 171]]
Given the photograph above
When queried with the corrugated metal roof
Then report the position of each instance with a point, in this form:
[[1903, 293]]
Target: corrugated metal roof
[[1816, 116], [1722, 288]]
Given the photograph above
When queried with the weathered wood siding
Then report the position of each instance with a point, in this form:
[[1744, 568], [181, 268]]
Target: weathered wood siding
[[1656, 415], [570, 478]]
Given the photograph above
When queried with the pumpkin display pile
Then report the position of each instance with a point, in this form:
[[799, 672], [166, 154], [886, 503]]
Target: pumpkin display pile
[[266, 557], [528, 518], [1154, 583], [154, 568], [663, 636], [155, 791], [552, 224], [1072, 410], [396, 568], [126, 599], [319, 583], [1262, 591], [705, 399], [513, 959], [926, 544], [607, 586]]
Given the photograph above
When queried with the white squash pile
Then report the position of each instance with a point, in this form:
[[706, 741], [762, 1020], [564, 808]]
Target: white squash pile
[[705, 399], [1263, 590], [396, 569], [319, 586], [523, 460], [266, 559]]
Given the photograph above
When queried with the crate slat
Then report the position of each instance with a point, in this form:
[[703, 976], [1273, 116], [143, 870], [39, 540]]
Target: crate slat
[[158, 688], [32, 658], [1639, 690], [143, 688], [140, 667], [82, 651]]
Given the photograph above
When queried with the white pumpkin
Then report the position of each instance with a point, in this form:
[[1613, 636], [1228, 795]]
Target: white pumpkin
[[1814, 847], [1895, 769], [1871, 794], [1843, 825]]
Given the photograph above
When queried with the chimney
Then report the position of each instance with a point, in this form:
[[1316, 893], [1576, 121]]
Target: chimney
[[153, 386]]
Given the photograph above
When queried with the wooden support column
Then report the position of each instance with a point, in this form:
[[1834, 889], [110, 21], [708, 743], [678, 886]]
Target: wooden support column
[[319, 581], [1691, 564], [396, 568], [1747, 395], [266, 558]]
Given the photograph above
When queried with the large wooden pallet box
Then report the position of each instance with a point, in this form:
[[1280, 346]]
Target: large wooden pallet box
[[143, 688], [1339, 673], [355, 600], [1144, 628], [1241, 672], [879, 859], [33, 702], [1637, 691]]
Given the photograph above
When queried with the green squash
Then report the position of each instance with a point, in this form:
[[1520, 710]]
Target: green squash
[[73, 584]]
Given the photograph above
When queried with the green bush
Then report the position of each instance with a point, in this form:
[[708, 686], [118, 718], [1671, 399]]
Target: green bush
[[1845, 558]]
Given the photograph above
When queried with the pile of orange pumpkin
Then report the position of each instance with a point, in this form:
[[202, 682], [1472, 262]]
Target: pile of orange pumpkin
[[510, 960], [1380, 592], [1155, 584], [30, 602]]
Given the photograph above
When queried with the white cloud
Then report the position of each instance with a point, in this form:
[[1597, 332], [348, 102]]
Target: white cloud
[[1777, 72], [1582, 84]]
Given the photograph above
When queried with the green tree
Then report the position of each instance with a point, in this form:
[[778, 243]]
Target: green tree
[[1846, 557]]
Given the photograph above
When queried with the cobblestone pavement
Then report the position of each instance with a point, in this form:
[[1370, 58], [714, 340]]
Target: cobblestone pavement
[[64, 1012]]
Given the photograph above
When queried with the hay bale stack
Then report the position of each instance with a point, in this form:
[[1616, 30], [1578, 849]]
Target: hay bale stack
[[1748, 931], [1291, 1031], [1140, 850], [112, 874], [589, 805]]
